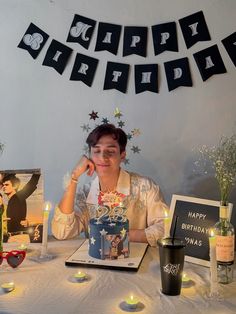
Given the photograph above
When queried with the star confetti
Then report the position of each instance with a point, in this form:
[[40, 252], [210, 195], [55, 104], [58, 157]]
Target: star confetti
[[105, 121], [93, 115], [93, 240], [85, 127], [103, 232], [123, 232], [129, 136], [126, 161], [136, 132], [136, 149], [121, 124], [117, 113], [86, 149]]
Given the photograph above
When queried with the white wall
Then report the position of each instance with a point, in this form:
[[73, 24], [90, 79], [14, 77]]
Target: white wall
[[42, 111]]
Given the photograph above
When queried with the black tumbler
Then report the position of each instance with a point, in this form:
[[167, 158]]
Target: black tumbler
[[171, 253]]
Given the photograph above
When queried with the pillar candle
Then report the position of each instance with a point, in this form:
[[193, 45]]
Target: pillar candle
[[45, 229], [213, 262], [166, 224]]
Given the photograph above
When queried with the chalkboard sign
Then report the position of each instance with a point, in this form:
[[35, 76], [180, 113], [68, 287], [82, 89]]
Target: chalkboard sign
[[195, 217]]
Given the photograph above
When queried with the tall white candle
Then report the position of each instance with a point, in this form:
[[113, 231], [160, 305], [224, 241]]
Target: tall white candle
[[45, 229], [213, 263], [166, 224]]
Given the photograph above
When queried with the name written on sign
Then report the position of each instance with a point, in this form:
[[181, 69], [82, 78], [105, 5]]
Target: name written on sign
[[194, 228]]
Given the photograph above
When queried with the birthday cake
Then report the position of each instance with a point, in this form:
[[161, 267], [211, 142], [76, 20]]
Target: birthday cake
[[109, 230]]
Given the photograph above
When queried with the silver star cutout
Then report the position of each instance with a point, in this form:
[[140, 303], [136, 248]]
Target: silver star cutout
[[93, 240], [103, 232]]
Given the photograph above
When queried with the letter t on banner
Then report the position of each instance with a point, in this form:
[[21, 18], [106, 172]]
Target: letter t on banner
[[178, 73], [116, 76]]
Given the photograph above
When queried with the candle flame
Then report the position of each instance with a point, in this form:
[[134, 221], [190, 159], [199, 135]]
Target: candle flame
[[212, 233], [131, 297], [166, 213], [47, 206], [79, 272], [184, 276]]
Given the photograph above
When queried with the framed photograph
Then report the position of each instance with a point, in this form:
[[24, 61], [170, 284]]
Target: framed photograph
[[21, 199], [196, 217]]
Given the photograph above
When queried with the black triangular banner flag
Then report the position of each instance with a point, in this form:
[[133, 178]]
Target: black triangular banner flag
[[194, 29], [33, 40], [146, 78], [178, 73], [81, 30], [164, 37], [116, 76], [209, 62], [84, 69], [135, 41], [230, 46], [108, 37], [57, 56]]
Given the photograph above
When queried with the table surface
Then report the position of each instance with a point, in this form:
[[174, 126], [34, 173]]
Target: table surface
[[48, 287]]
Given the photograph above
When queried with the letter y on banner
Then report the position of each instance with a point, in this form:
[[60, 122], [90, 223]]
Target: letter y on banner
[[194, 29], [178, 73], [57, 56], [209, 62], [81, 30], [33, 40]]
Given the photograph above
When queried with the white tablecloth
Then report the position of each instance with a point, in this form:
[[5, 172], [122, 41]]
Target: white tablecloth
[[47, 287]]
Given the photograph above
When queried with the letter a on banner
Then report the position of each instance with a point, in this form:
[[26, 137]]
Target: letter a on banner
[[33, 40], [178, 73], [164, 37], [108, 37], [57, 56], [116, 76], [146, 78], [135, 41], [84, 69], [194, 29], [81, 30], [209, 62]]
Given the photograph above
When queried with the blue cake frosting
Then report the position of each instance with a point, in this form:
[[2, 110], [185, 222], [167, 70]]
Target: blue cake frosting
[[108, 239]]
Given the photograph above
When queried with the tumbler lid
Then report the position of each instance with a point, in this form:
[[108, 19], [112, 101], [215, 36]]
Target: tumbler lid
[[171, 242]]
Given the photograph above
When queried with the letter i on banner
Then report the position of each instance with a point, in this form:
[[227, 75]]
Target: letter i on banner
[[57, 56]]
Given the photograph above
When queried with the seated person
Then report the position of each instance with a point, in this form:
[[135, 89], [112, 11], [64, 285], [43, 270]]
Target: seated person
[[144, 201]]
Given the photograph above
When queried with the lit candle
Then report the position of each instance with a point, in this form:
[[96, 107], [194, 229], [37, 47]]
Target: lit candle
[[185, 280], [80, 276], [166, 224], [22, 247], [213, 262], [45, 229], [8, 286], [132, 302]]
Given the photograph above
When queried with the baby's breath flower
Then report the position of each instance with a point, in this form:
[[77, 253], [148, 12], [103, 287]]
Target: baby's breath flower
[[223, 160]]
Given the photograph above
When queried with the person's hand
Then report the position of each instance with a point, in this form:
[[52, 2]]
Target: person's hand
[[83, 165]]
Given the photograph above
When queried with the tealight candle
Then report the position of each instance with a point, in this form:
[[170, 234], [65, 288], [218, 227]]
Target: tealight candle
[[132, 302], [80, 276], [166, 224], [8, 286], [22, 247], [185, 278], [213, 262], [45, 229]]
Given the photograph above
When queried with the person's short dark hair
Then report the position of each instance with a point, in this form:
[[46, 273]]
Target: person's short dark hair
[[13, 179], [107, 129]]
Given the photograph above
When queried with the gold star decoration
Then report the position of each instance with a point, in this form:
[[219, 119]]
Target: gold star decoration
[[117, 113], [136, 132]]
